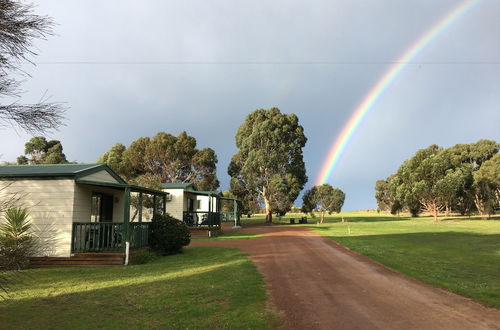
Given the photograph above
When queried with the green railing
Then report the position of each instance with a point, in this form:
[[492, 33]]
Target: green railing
[[107, 236], [139, 234], [201, 219], [96, 236]]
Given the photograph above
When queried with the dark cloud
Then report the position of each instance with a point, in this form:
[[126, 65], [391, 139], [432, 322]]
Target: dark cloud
[[121, 95]]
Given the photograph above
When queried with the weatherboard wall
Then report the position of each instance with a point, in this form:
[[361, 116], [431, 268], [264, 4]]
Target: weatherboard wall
[[175, 207], [50, 203]]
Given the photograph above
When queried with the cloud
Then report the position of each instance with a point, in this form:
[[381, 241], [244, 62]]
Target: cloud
[[110, 102]]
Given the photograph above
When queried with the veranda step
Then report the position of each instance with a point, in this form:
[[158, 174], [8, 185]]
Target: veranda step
[[80, 259]]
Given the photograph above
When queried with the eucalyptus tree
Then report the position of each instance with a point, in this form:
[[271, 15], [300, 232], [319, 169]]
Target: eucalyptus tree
[[323, 198], [40, 151], [420, 179], [164, 158], [487, 186], [269, 164]]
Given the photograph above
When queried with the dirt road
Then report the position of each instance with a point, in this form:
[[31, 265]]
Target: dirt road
[[318, 284]]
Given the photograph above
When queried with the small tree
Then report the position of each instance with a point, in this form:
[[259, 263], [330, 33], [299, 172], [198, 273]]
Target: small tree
[[324, 199], [17, 243]]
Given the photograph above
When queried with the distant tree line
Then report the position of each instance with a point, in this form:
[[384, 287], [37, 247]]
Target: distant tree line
[[464, 178]]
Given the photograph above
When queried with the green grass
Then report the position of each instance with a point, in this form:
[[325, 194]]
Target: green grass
[[201, 288], [228, 236], [458, 254]]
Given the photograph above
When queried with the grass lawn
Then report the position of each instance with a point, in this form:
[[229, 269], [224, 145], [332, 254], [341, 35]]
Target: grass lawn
[[201, 288], [458, 254]]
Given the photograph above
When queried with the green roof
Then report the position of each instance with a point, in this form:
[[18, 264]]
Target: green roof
[[177, 185], [55, 170]]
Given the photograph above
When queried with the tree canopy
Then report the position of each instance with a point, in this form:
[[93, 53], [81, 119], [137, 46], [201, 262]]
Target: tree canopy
[[269, 166], [40, 151], [435, 179], [323, 198], [164, 158]]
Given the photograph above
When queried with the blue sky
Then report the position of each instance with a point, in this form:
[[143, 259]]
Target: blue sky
[[127, 69]]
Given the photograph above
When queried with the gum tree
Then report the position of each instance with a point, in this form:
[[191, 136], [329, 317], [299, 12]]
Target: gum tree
[[323, 198], [269, 164]]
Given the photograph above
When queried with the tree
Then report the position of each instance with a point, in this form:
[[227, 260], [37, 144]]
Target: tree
[[383, 195], [165, 157], [42, 151], [487, 186], [324, 199], [476, 191], [435, 179], [421, 179], [114, 158], [19, 28], [269, 164]]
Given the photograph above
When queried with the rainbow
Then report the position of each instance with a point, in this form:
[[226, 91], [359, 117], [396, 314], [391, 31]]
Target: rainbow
[[339, 145]]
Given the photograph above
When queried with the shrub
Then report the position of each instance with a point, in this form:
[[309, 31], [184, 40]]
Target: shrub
[[144, 258], [168, 235], [17, 244]]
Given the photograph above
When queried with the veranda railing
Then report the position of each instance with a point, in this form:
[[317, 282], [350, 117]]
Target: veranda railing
[[201, 219], [107, 236]]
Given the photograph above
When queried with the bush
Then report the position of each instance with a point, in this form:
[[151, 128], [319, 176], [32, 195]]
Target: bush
[[168, 235], [17, 244]]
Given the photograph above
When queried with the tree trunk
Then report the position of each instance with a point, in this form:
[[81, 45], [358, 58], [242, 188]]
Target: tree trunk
[[480, 206], [269, 212], [447, 210], [322, 216]]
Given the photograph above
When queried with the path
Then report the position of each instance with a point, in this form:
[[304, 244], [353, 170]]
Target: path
[[316, 283]]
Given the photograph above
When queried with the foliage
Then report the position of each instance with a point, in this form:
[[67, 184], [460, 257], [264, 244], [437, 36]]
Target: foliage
[[17, 244], [487, 186], [437, 179], [41, 151], [202, 288], [167, 158], [19, 28], [168, 235], [323, 198], [269, 167]]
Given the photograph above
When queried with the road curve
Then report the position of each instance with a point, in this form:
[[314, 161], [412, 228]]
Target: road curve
[[316, 283]]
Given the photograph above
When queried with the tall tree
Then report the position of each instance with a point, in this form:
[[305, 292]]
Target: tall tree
[[40, 151], [19, 28], [323, 198], [167, 158], [269, 164]]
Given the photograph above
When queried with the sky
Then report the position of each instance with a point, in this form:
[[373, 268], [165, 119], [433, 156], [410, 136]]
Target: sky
[[126, 69]]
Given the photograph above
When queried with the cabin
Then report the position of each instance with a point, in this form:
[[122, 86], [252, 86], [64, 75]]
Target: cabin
[[82, 212], [199, 209]]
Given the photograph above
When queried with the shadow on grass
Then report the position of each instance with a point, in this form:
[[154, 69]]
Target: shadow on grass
[[210, 287]]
